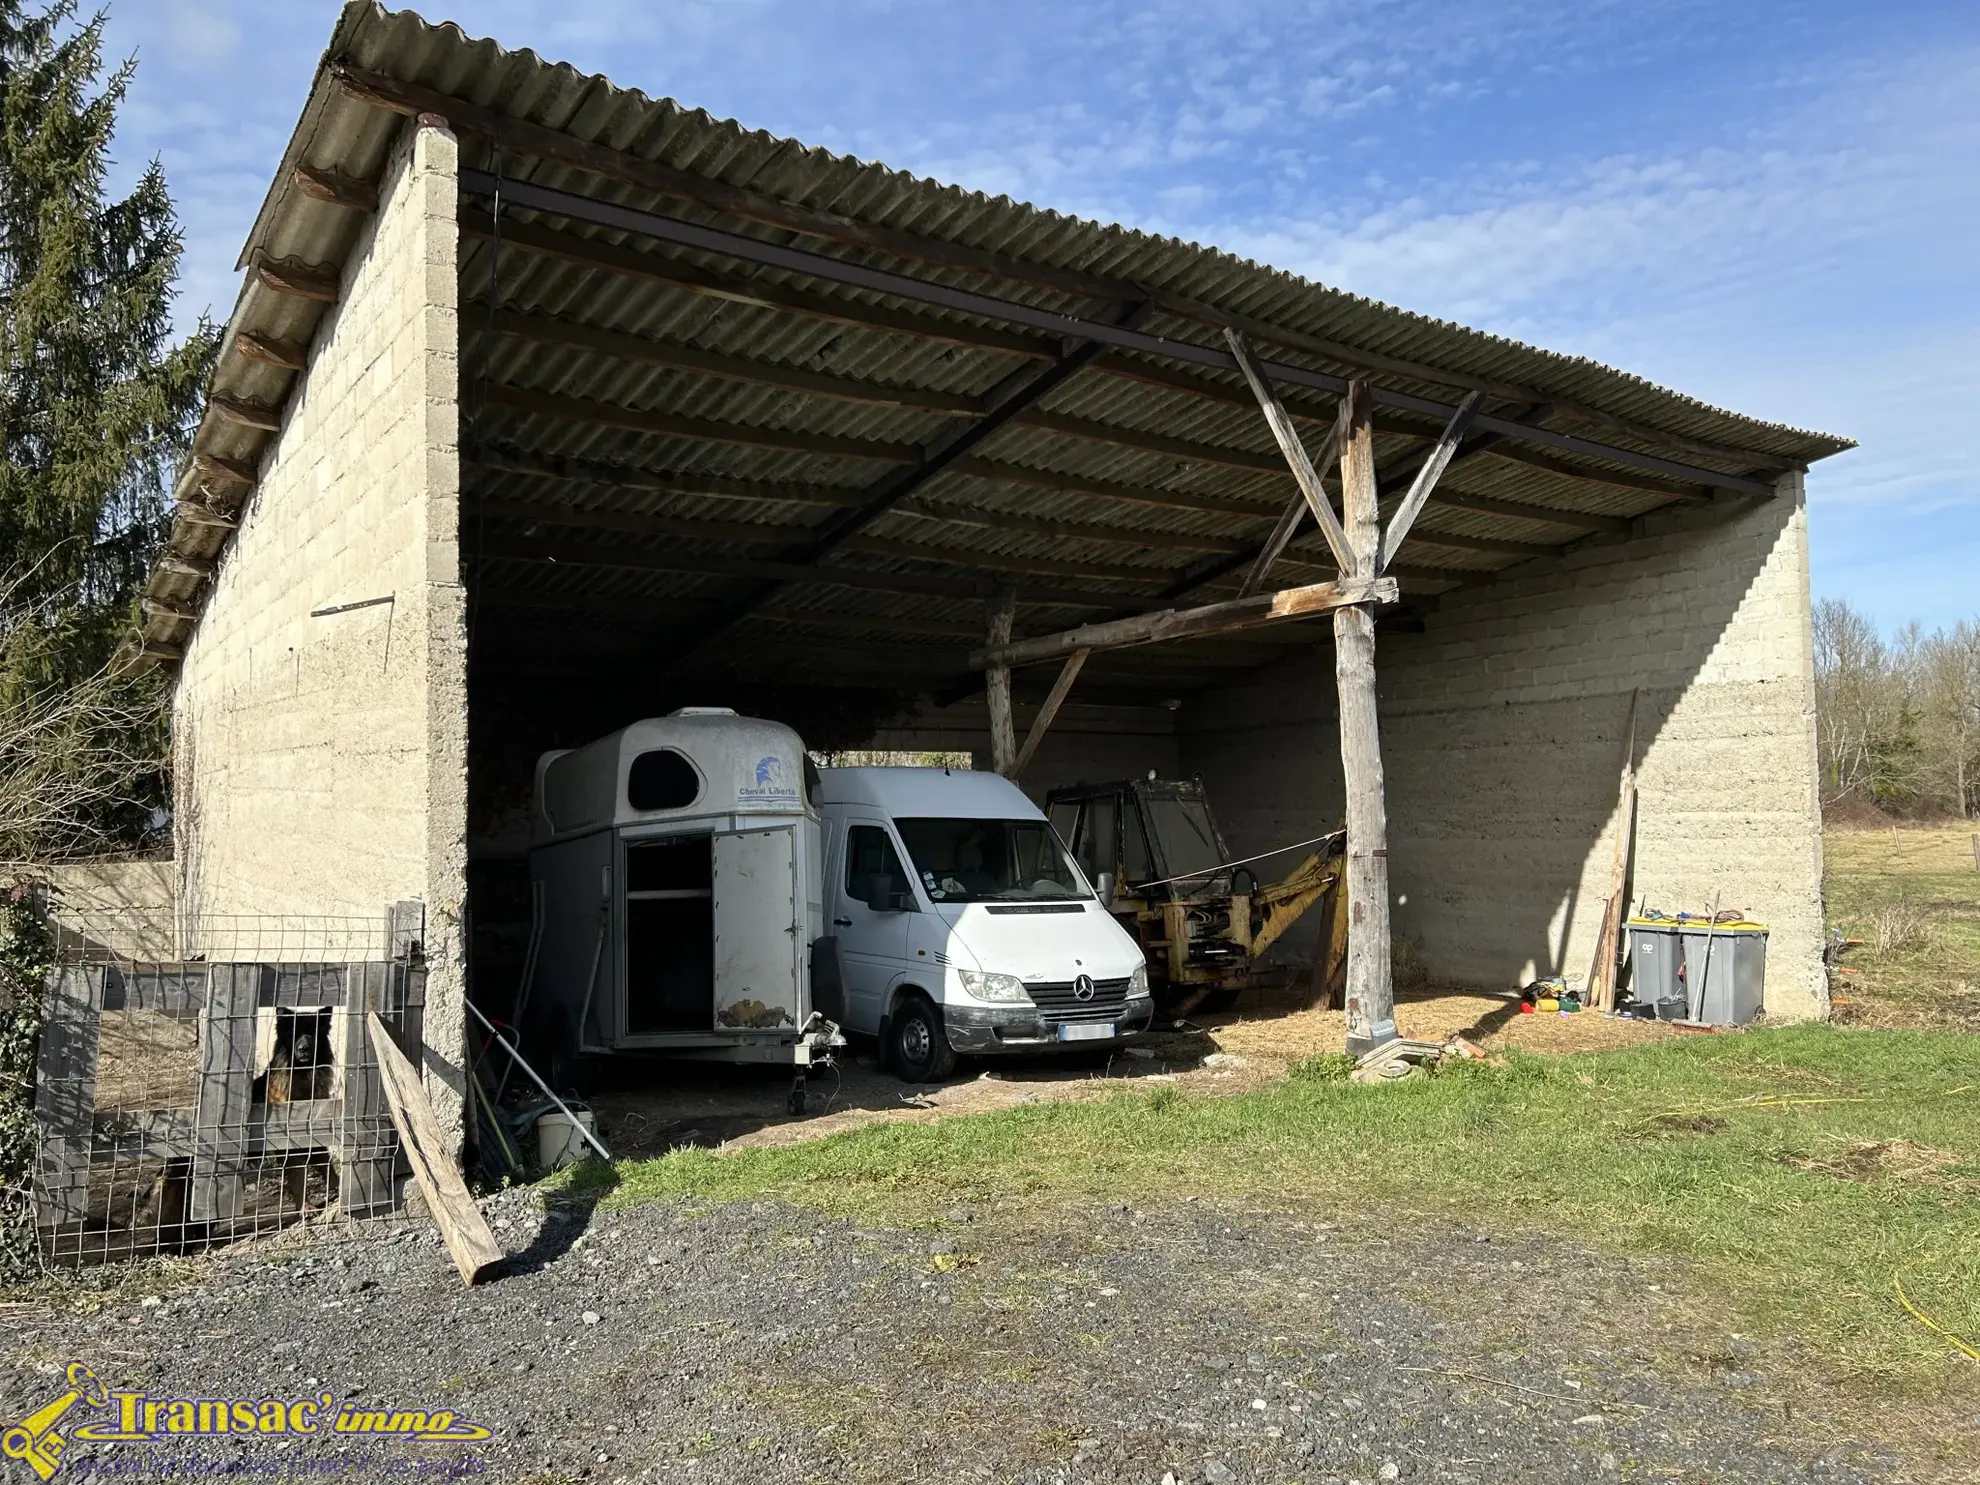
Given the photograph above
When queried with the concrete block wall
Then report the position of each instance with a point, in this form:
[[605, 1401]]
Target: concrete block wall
[[321, 758], [1085, 744], [1503, 729]]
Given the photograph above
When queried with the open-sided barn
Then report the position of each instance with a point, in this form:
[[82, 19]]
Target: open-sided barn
[[548, 405]]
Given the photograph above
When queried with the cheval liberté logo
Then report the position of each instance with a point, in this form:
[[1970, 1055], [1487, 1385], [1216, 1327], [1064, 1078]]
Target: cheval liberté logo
[[137, 1417], [774, 783]]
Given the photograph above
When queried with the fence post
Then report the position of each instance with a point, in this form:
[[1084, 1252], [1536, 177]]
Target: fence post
[[65, 1099], [226, 1090]]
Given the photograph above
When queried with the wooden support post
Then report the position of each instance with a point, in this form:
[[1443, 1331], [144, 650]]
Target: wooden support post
[[1003, 728], [1054, 699], [1371, 1014], [1608, 943]]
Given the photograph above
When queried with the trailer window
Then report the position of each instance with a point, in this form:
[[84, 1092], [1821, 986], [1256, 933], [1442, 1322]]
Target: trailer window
[[661, 779], [990, 860]]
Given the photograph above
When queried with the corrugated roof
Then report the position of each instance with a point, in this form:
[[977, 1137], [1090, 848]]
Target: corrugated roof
[[1124, 484]]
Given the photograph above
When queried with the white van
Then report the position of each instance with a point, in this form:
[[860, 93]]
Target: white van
[[963, 926]]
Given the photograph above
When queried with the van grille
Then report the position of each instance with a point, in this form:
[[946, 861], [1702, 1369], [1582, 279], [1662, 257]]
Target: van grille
[[1057, 1004]]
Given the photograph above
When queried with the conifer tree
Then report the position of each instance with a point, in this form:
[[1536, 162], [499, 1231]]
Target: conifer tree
[[96, 403]]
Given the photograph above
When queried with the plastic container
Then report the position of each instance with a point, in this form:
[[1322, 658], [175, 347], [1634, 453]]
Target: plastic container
[[1735, 978], [558, 1142], [1667, 958]]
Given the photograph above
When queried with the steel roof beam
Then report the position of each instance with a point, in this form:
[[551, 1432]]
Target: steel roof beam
[[740, 288], [716, 240], [739, 201]]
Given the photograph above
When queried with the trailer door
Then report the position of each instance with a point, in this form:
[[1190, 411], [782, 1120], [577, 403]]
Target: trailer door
[[759, 929]]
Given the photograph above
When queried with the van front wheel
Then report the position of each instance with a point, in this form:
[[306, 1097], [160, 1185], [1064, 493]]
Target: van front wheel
[[917, 1045]]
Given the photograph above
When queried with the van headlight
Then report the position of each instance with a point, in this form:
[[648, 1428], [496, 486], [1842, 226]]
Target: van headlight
[[1138, 983], [999, 989]]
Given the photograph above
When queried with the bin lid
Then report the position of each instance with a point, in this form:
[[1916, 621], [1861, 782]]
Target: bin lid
[[1696, 923]]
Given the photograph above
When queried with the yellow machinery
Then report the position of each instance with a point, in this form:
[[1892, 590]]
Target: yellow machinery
[[1152, 850]]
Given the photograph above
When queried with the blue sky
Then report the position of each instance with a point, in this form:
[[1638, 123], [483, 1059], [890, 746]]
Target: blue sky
[[1770, 204]]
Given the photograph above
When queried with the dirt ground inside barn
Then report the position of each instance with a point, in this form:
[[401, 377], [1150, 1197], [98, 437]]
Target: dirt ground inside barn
[[651, 1108]]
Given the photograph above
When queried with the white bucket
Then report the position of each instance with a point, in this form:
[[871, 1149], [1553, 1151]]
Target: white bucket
[[558, 1142]]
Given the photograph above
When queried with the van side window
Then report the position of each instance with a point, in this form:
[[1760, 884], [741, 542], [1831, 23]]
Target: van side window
[[869, 854]]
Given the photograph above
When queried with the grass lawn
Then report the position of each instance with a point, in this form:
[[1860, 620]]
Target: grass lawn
[[1795, 1177], [1800, 1171]]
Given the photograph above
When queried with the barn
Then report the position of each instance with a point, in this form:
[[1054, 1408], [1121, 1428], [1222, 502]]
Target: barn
[[548, 405]]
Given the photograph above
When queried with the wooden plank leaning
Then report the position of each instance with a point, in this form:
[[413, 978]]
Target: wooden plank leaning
[[461, 1224]]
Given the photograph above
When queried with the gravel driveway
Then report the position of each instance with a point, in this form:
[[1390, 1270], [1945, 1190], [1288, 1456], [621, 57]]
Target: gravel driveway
[[762, 1342]]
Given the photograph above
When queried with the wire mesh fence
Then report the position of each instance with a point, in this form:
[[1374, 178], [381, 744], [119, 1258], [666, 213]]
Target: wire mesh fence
[[205, 1079]]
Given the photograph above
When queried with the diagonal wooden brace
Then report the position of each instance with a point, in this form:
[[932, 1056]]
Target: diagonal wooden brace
[[1281, 424], [1427, 475]]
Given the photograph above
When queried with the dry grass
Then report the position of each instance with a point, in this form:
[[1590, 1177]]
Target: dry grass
[[1913, 896]]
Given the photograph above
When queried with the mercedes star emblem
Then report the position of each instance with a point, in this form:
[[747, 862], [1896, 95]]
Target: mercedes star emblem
[[1083, 988]]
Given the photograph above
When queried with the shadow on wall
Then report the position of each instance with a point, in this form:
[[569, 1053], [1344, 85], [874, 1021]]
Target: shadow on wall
[[1503, 732]]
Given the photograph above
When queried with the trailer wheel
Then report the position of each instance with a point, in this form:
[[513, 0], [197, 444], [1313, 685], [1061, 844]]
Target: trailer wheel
[[917, 1045]]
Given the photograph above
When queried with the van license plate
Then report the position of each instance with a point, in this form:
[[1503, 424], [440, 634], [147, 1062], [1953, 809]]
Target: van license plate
[[1091, 1031]]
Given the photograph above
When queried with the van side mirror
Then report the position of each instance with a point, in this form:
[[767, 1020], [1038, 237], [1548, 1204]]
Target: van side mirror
[[885, 894], [1104, 885]]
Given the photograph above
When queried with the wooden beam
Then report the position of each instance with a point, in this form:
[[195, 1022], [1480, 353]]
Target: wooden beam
[[195, 514], [1228, 617], [738, 201], [1281, 424], [235, 471], [1608, 942], [1427, 475], [1288, 526], [1047, 710], [1003, 732], [288, 355], [246, 411], [475, 1251], [336, 188], [1370, 1000], [318, 281]]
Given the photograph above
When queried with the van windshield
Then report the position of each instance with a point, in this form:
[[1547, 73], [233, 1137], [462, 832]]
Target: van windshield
[[990, 861]]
